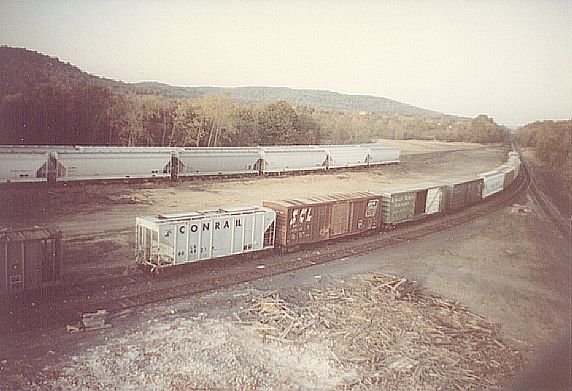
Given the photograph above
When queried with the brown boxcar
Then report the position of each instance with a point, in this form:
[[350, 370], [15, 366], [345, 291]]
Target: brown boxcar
[[316, 219], [29, 259], [462, 192]]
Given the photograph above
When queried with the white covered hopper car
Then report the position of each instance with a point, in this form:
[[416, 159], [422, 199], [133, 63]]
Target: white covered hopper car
[[175, 239]]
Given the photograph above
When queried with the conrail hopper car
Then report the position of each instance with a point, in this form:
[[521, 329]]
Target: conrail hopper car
[[175, 239]]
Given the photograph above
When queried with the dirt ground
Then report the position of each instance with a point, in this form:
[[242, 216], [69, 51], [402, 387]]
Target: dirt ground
[[98, 221], [510, 268]]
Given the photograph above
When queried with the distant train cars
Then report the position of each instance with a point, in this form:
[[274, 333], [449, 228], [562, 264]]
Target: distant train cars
[[67, 163], [287, 225], [30, 259], [492, 182]]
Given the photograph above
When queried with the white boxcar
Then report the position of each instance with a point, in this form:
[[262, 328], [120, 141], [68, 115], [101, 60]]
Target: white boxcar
[[514, 162], [174, 239], [345, 155], [23, 166], [379, 154], [295, 158], [110, 163], [218, 161], [492, 182]]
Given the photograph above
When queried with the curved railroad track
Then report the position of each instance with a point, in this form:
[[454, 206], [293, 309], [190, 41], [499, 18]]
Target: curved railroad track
[[550, 210], [223, 274], [119, 294]]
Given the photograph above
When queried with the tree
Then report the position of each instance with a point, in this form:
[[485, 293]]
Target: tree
[[126, 121], [188, 124], [279, 124], [244, 118], [216, 109]]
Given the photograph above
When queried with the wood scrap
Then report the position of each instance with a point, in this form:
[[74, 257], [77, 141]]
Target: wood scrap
[[95, 320], [393, 332]]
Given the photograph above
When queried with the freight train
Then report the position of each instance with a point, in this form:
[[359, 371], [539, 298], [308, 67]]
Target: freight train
[[31, 259], [286, 225], [67, 164]]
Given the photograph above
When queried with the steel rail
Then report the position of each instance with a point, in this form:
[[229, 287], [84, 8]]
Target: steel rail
[[560, 222]]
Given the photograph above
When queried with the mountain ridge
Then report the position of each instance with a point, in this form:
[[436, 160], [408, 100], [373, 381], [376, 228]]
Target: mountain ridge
[[21, 68], [315, 98]]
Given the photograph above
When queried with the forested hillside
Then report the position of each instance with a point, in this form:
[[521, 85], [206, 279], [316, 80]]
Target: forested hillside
[[46, 101], [318, 99]]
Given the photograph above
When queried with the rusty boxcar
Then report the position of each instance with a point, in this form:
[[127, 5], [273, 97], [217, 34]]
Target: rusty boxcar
[[316, 219], [461, 193], [29, 259]]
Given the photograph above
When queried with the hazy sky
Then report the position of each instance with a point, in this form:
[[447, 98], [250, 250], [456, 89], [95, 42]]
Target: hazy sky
[[510, 60]]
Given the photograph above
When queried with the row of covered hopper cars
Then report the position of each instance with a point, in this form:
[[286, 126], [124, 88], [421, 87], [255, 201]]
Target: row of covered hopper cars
[[69, 163], [174, 239]]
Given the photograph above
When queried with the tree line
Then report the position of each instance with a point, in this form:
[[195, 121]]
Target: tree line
[[551, 142], [348, 127], [89, 114]]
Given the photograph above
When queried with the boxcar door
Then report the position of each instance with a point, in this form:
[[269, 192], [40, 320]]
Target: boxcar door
[[420, 202], [433, 203], [340, 218], [371, 215]]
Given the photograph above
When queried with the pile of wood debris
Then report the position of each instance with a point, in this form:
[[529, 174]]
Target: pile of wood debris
[[396, 335]]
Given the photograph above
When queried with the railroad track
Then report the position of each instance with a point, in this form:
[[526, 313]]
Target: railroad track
[[227, 274], [549, 209]]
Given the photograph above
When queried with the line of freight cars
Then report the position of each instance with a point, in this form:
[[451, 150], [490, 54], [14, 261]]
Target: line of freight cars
[[31, 259], [167, 240], [62, 164]]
